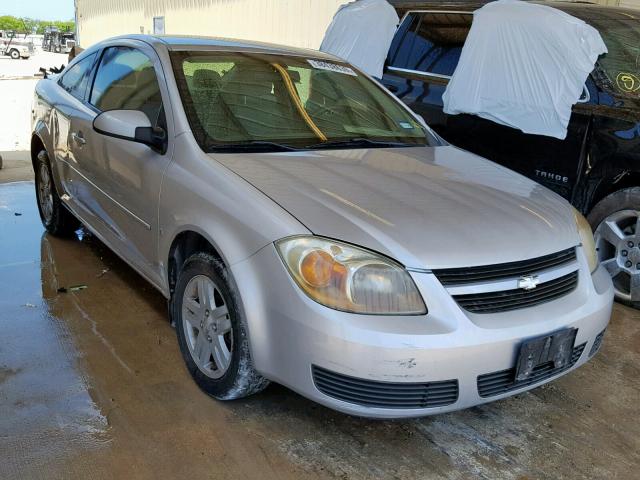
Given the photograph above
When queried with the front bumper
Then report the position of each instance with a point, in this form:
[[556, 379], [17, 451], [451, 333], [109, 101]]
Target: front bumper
[[290, 334]]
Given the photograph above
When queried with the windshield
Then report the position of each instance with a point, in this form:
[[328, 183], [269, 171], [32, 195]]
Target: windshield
[[621, 66], [246, 98]]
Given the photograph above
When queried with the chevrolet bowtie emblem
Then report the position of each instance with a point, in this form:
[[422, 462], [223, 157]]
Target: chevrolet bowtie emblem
[[528, 282]]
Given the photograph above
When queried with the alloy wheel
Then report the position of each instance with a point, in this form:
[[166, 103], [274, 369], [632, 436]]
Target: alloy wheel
[[45, 194], [207, 326], [618, 246]]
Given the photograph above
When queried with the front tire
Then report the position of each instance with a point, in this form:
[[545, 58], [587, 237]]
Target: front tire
[[54, 215], [211, 330], [15, 54], [616, 223]]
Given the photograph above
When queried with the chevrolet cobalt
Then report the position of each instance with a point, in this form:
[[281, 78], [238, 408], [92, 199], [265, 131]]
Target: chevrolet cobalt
[[308, 229]]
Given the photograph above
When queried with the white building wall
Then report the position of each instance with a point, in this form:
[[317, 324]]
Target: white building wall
[[620, 3], [629, 3], [299, 23]]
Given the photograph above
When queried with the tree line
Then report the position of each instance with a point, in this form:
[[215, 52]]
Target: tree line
[[32, 25]]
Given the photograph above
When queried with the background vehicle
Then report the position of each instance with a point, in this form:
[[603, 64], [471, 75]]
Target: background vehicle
[[57, 41], [596, 168], [12, 45]]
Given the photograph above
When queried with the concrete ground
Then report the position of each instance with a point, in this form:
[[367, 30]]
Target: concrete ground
[[92, 385], [17, 82], [16, 166], [25, 68]]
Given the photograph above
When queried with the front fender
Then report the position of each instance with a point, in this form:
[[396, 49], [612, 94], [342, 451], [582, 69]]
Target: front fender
[[201, 195]]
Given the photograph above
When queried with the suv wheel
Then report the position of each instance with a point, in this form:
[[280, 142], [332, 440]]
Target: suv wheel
[[15, 54], [212, 331], [616, 223], [54, 215]]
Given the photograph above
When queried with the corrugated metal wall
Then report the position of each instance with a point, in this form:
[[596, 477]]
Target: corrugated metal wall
[[292, 22], [620, 3], [629, 3]]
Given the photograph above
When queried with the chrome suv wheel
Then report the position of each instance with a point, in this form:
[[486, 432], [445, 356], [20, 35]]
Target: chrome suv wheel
[[618, 244]]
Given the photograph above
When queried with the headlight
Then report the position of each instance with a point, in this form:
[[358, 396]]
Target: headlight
[[347, 278], [586, 237]]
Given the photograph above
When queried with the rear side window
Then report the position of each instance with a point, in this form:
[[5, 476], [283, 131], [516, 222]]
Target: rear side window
[[126, 80], [76, 79], [403, 41], [430, 42]]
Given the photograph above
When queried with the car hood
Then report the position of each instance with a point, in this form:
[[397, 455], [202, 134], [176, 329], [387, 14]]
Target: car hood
[[427, 207]]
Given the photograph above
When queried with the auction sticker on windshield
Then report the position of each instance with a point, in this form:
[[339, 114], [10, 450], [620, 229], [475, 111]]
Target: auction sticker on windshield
[[332, 67]]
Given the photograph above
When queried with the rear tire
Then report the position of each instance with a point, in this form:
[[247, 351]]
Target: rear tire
[[616, 224], [54, 215], [212, 332]]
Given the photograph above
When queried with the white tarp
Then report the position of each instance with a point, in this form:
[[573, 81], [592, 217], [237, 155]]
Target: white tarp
[[523, 65], [361, 32]]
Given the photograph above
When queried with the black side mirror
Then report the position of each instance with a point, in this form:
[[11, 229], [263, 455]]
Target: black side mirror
[[154, 137]]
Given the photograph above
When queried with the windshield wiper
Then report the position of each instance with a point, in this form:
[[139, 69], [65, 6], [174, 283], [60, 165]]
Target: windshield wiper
[[266, 146], [251, 146], [361, 143]]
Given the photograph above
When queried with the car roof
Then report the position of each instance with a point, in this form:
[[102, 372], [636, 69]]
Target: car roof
[[194, 42], [580, 9]]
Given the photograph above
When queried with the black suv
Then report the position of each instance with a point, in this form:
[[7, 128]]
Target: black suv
[[596, 168]]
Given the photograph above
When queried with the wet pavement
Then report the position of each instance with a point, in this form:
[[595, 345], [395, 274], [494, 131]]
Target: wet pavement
[[92, 386]]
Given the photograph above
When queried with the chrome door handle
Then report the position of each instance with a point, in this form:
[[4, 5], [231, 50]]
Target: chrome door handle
[[78, 138]]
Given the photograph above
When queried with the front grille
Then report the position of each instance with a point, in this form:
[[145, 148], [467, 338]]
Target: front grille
[[597, 343], [503, 301], [505, 380], [488, 273], [370, 393]]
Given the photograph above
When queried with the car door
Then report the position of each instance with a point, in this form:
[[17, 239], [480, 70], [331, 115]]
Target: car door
[[422, 59], [70, 117], [126, 175]]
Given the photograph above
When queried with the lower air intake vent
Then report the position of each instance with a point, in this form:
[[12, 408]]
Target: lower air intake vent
[[597, 343], [385, 394], [504, 381]]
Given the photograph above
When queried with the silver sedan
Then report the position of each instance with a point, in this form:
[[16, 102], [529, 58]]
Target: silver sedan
[[308, 229]]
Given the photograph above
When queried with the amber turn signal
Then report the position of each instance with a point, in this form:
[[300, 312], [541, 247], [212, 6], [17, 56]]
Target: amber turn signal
[[316, 268]]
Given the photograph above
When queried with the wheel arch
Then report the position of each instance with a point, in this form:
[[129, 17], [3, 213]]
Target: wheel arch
[[37, 145], [184, 244], [611, 185]]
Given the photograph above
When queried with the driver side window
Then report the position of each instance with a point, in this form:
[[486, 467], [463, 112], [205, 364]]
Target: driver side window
[[126, 80], [75, 79]]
